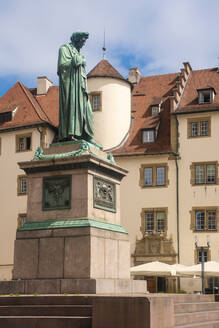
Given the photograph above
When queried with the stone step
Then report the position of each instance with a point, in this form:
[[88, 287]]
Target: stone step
[[209, 324], [45, 322], [46, 300], [192, 298], [46, 310], [195, 317], [195, 307]]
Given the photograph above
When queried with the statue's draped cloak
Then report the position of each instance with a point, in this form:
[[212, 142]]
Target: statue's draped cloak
[[75, 112]]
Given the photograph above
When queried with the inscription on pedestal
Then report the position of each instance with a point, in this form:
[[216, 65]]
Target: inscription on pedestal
[[104, 194], [56, 193]]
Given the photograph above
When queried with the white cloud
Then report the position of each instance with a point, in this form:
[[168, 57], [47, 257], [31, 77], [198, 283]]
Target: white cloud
[[158, 35]]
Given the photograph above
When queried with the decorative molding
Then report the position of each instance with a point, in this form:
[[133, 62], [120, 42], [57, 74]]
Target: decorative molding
[[72, 223], [104, 194], [56, 193], [84, 149]]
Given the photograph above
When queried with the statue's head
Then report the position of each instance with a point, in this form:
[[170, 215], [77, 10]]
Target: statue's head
[[79, 38]]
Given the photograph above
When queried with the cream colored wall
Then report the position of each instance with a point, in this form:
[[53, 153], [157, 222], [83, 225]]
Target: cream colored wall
[[134, 198], [11, 204], [112, 123], [201, 149]]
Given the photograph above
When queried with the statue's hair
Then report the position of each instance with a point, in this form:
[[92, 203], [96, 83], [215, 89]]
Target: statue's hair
[[78, 34]]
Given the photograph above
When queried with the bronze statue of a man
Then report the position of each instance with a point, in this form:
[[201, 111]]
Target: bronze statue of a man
[[75, 112]]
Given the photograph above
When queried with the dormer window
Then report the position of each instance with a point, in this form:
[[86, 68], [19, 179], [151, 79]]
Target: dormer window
[[206, 96], [5, 117], [148, 135], [155, 110]]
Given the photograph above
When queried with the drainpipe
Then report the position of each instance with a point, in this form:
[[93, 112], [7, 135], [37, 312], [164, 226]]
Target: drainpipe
[[177, 195]]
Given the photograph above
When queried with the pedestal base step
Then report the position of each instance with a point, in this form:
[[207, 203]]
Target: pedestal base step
[[73, 286], [45, 322]]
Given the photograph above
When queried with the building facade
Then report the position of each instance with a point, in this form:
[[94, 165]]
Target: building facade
[[162, 129]]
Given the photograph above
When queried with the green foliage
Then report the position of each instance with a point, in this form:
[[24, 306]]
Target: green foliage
[[181, 291], [14, 294]]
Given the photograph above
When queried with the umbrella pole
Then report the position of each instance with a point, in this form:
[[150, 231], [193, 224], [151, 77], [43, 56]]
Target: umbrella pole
[[203, 270]]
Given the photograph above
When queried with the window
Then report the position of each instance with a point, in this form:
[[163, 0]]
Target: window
[[148, 135], [22, 185], [204, 173], [23, 142], [200, 220], [21, 219], [96, 101], [203, 128], [5, 117], [153, 175], [205, 255], [206, 96], [154, 220], [148, 176], [204, 219], [154, 110], [160, 176], [199, 127]]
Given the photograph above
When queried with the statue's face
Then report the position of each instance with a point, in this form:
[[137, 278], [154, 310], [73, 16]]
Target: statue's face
[[80, 42]]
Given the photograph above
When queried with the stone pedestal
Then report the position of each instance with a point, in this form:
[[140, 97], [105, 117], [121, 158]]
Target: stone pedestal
[[72, 241]]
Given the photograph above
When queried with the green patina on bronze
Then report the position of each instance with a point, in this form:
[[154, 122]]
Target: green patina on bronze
[[75, 112], [72, 223], [84, 147], [104, 194], [56, 193]]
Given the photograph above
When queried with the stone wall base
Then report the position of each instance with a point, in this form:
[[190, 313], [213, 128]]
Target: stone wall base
[[73, 286]]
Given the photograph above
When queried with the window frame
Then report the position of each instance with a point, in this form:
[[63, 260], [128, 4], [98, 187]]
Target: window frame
[[21, 219], [25, 137], [155, 212], [154, 168], [91, 96], [205, 92], [196, 254], [19, 185], [155, 110], [148, 130], [206, 210], [205, 165], [198, 121]]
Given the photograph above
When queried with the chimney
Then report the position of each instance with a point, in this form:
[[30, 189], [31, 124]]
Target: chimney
[[134, 75], [43, 84]]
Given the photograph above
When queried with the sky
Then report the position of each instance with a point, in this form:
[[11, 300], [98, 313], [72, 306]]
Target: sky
[[156, 36]]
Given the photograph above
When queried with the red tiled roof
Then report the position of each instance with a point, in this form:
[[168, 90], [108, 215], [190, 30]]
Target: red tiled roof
[[104, 69], [35, 109], [200, 79], [149, 89], [27, 112], [50, 104]]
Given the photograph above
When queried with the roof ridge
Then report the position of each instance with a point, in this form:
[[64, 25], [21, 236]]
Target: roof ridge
[[156, 75], [104, 68], [30, 98]]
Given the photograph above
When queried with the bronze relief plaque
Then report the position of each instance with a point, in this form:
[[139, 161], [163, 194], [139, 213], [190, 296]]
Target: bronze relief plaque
[[56, 193], [104, 194]]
